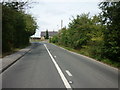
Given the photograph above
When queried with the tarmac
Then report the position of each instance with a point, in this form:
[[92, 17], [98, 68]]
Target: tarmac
[[7, 61]]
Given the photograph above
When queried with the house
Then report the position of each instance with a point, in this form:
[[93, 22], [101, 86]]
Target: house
[[50, 33]]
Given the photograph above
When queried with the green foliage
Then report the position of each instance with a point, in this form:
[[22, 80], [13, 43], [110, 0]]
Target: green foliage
[[54, 39], [30, 23], [17, 27], [81, 31], [84, 34], [97, 37], [63, 37], [78, 29], [111, 18]]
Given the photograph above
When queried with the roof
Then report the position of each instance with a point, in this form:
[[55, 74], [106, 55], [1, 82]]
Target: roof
[[50, 33]]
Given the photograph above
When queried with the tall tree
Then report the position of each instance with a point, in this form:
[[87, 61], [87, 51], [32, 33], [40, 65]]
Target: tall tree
[[111, 18], [79, 29], [47, 35], [17, 27]]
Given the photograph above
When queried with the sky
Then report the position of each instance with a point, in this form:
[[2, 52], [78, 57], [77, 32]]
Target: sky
[[49, 13]]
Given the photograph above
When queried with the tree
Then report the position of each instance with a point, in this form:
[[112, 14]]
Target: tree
[[111, 18], [78, 30], [47, 35], [17, 27], [63, 37], [83, 33]]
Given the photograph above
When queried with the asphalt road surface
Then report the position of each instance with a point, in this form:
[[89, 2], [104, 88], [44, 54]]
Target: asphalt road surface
[[48, 66]]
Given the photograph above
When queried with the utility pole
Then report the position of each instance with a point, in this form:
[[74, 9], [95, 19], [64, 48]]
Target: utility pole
[[61, 24]]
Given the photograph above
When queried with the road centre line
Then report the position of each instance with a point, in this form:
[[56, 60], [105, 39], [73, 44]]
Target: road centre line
[[66, 83], [69, 74]]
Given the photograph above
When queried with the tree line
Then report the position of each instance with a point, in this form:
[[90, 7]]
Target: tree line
[[97, 36], [17, 26]]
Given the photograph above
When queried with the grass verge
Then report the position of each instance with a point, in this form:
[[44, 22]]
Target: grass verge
[[35, 40], [86, 53]]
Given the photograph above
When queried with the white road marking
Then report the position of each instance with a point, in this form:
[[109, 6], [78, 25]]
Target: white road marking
[[66, 83], [70, 82], [69, 74]]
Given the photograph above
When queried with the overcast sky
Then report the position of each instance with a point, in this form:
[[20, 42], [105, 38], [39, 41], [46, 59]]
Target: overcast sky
[[49, 13]]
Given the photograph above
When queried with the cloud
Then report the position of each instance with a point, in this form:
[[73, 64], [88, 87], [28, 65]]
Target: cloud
[[43, 23], [55, 12]]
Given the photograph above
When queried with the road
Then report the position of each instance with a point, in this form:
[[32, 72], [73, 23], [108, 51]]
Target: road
[[48, 66]]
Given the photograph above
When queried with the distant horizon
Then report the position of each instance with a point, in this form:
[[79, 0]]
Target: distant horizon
[[40, 33]]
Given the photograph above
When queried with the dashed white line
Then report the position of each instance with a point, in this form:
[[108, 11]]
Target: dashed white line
[[66, 83], [69, 74]]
